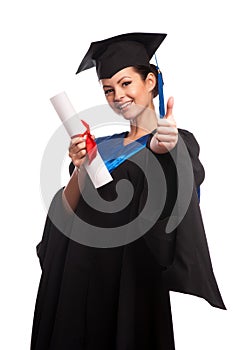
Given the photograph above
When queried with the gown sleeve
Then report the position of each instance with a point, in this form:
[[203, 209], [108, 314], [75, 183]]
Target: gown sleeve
[[194, 151], [162, 245], [56, 229], [189, 268]]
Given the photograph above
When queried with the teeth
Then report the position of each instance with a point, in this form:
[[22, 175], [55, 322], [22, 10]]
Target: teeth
[[124, 105]]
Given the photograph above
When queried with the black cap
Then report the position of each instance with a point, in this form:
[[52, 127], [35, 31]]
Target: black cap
[[125, 50]]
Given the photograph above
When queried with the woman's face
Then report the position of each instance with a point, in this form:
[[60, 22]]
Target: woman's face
[[128, 94]]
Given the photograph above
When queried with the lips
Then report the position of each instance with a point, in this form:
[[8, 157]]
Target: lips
[[124, 105]]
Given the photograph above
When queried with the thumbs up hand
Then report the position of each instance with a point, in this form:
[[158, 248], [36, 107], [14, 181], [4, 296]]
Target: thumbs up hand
[[166, 136]]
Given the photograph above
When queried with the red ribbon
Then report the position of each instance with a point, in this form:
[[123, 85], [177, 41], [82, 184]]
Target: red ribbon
[[90, 143]]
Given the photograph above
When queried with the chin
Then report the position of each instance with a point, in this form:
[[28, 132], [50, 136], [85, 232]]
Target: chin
[[133, 112]]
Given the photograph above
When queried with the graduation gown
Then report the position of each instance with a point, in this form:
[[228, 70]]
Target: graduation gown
[[117, 297]]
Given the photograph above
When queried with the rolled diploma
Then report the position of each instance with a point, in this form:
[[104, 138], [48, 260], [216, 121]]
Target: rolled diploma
[[97, 170]]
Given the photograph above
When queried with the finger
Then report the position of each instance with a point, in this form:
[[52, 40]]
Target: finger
[[79, 162], [76, 142], [79, 155], [170, 104], [167, 130], [163, 122], [77, 147], [166, 122], [165, 145], [77, 139], [166, 138]]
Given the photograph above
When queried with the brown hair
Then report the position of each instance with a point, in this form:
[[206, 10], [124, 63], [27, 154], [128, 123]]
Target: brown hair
[[143, 71]]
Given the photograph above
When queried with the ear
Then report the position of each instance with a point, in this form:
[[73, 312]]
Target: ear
[[151, 81]]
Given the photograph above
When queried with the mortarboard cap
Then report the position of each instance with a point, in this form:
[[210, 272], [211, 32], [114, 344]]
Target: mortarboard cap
[[113, 54]]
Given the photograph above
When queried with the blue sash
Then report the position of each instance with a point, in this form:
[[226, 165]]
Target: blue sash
[[114, 152]]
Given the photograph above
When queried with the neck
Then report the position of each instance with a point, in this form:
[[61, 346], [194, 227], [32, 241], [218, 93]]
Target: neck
[[143, 124]]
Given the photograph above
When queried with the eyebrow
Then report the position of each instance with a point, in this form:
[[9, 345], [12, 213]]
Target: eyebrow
[[107, 86]]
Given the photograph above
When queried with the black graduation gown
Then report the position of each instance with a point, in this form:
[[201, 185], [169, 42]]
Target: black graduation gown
[[118, 298]]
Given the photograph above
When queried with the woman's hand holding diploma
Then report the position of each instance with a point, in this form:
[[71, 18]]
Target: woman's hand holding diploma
[[166, 136], [78, 150], [78, 154]]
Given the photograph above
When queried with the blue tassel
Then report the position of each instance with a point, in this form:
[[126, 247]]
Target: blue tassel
[[160, 91]]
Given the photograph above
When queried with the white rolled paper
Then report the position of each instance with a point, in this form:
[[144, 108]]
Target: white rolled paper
[[97, 170], [67, 114]]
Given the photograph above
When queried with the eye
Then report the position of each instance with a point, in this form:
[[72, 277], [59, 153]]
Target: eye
[[107, 92], [126, 83]]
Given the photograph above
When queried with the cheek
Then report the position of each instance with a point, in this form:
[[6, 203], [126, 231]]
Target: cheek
[[112, 105], [132, 91], [109, 99], [138, 92]]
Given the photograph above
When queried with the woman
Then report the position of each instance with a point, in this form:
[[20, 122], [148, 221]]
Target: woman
[[114, 293]]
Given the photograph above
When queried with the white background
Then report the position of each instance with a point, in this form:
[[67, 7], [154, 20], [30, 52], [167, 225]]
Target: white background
[[42, 44]]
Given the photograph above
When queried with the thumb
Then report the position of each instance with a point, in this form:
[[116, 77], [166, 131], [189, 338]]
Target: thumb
[[170, 104]]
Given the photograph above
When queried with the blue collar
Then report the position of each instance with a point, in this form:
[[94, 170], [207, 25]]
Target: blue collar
[[114, 152]]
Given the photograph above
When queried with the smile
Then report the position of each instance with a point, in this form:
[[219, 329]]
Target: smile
[[124, 105]]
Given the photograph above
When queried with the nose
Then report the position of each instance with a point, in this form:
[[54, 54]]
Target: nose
[[119, 94]]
